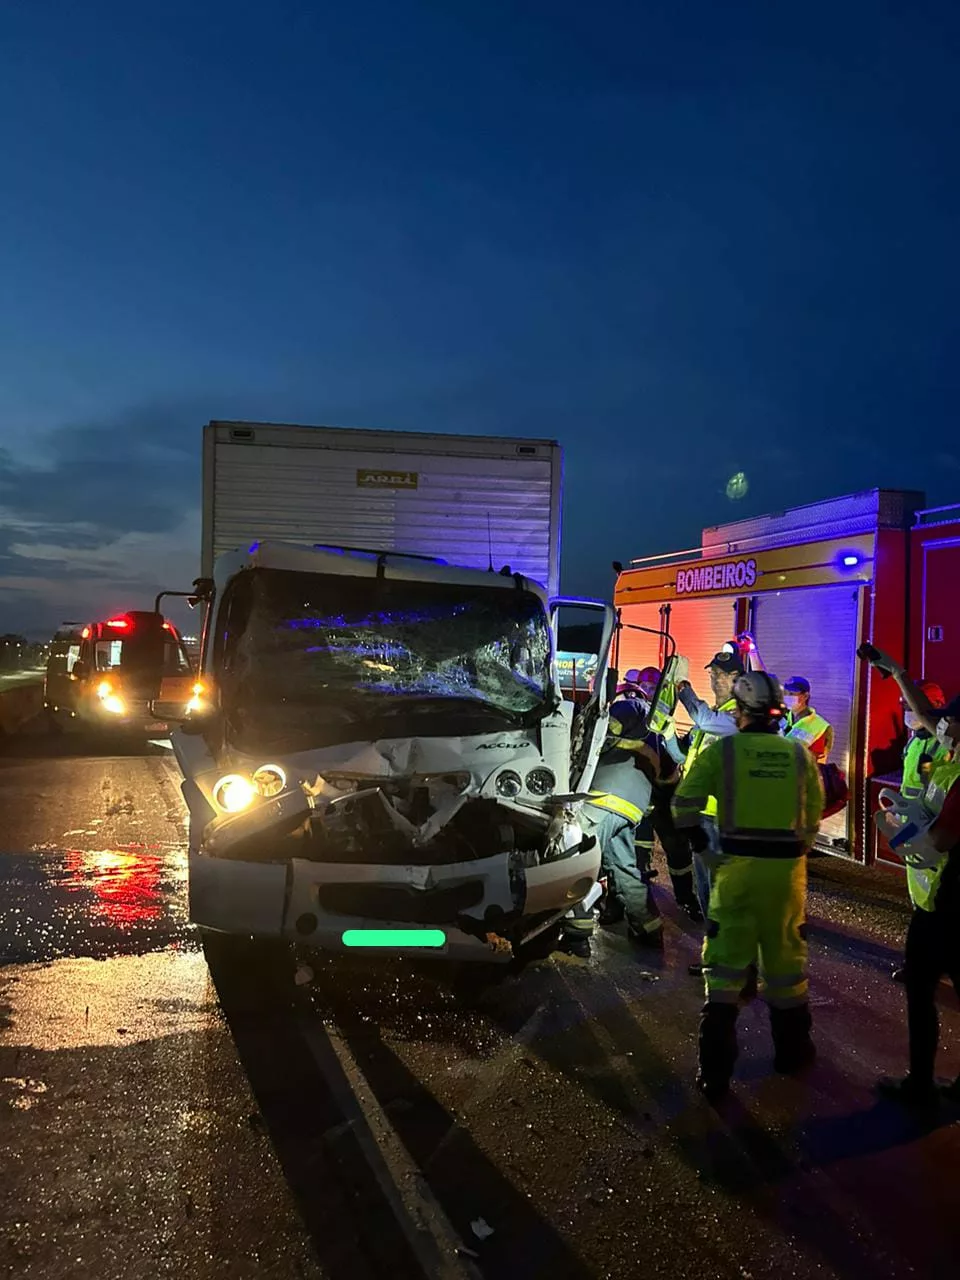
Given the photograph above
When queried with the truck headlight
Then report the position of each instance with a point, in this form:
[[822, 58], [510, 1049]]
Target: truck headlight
[[509, 784], [197, 701], [234, 793], [109, 700], [541, 782], [270, 780]]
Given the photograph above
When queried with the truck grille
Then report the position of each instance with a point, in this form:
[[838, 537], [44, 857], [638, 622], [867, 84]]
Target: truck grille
[[399, 902]]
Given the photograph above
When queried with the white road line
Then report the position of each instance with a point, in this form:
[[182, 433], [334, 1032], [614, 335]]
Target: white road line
[[431, 1236]]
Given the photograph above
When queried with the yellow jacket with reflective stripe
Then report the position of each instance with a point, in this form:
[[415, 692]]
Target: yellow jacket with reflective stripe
[[923, 882], [767, 790], [914, 779], [811, 729], [700, 739], [621, 788]]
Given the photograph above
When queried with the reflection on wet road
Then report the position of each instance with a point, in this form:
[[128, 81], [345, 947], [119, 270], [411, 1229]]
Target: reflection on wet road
[[157, 1123], [91, 902]]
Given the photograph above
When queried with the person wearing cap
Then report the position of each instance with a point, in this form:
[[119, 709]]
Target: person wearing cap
[[932, 854], [802, 723], [710, 723], [768, 801]]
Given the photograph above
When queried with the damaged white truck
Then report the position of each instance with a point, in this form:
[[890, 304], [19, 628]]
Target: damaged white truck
[[379, 753]]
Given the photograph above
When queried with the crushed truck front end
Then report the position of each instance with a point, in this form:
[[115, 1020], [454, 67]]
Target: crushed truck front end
[[385, 758]]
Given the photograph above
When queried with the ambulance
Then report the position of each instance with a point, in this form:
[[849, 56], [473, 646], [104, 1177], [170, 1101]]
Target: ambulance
[[105, 676]]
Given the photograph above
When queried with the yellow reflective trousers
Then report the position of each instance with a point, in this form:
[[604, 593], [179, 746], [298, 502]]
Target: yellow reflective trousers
[[757, 916]]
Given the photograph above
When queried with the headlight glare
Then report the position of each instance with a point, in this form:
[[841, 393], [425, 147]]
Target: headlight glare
[[109, 700], [234, 793]]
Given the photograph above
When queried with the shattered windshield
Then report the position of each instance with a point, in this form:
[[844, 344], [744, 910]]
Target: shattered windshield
[[357, 647]]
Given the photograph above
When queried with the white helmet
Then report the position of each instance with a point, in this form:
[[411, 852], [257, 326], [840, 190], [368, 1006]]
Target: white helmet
[[758, 691]]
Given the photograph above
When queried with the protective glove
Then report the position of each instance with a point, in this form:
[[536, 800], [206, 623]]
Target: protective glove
[[879, 660], [681, 670]]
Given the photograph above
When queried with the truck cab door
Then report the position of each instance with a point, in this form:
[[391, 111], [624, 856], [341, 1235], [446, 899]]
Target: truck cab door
[[589, 625]]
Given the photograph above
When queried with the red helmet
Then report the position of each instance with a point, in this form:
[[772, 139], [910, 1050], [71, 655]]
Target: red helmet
[[933, 693]]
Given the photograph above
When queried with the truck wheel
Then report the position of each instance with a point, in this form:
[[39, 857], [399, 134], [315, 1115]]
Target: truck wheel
[[245, 969]]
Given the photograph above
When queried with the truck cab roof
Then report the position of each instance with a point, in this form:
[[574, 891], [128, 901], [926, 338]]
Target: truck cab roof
[[358, 563]]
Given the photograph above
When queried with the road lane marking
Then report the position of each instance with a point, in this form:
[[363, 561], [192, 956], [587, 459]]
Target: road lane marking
[[435, 1242]]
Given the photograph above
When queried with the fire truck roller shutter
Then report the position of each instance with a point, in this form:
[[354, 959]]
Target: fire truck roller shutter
[[701, 628], [812, 632]]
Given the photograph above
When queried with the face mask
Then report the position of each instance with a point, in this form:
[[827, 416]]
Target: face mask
[[912, 720], [791, 703], [943, 733]]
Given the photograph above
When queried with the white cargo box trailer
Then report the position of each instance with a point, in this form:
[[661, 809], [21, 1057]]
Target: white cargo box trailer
[[465, 499]]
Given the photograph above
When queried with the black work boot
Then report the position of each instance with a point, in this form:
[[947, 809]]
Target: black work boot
[[717, 1049], [793, 1048], [611, 909], [576, 944], [650, 938], [909, 1092], [691, 908]]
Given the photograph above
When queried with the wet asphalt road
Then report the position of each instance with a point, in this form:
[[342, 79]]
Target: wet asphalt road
[[154, 1119]]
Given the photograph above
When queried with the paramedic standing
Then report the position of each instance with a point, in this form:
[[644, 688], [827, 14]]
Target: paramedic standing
[[769, 802], [802, 723]]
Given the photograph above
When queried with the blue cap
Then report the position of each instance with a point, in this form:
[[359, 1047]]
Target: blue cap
[[797, 684]]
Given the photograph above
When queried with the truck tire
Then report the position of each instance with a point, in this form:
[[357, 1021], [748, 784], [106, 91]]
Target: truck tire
[[248, 970]]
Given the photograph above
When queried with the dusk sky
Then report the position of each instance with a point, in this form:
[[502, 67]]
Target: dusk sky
[[683, 239]]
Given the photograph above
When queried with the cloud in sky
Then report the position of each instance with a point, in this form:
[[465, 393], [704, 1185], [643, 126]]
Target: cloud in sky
[[102, 517]]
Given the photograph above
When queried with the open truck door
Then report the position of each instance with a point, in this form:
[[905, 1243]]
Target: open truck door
[[583, 632], [178, 689]]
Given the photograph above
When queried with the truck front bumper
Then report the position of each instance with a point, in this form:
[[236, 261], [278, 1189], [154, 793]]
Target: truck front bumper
[[315, 904]]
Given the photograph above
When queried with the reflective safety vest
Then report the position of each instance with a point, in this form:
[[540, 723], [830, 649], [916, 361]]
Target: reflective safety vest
[[700, 739], [622, 789], [915, 777], [923, 882], [808, 729], [768, 794], [616, 804]]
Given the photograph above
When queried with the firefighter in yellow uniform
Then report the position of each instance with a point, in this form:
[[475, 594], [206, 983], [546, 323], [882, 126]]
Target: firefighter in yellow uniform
[[769, 802], [619, 797]]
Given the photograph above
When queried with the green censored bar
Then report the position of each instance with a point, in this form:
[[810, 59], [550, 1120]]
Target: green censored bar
[[394, 938]]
